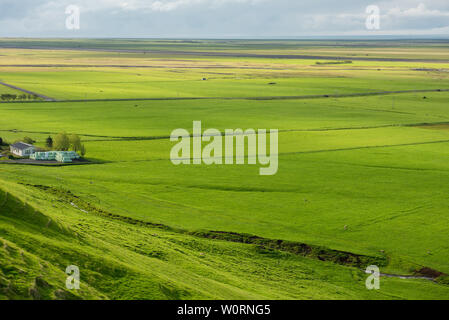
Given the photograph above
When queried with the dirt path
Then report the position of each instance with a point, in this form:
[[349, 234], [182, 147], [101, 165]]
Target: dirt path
[[405, 277], [27, 91]]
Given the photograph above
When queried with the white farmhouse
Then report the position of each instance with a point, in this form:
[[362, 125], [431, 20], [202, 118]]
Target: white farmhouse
[[22, 149]]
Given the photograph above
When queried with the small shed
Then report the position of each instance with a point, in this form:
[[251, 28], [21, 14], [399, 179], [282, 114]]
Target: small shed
[[22, 149]]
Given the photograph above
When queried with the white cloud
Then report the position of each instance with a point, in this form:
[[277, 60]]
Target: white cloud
[[420, 11], [152, 5], [221, 18]]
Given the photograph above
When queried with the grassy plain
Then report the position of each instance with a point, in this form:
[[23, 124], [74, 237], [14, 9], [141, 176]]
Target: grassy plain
[[375, 164]]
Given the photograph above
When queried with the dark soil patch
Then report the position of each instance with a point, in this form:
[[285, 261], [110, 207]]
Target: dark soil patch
[[297, 248], [434, 126], [429, 272]]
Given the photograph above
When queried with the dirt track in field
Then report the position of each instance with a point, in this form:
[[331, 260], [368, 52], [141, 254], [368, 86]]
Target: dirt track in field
[[27, 91]]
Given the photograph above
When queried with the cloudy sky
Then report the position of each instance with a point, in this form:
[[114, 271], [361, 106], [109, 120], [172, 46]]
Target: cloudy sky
[[221, 18]]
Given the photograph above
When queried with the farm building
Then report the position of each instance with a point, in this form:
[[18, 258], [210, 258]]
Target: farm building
[[22, 149], [60, 156]]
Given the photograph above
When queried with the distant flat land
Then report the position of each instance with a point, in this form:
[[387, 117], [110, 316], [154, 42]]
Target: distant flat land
[[363, 172]]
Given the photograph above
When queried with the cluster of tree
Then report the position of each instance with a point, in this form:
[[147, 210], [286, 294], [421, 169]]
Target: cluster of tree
[[9, 96], [49, 142], [65, 142], [28, 140]]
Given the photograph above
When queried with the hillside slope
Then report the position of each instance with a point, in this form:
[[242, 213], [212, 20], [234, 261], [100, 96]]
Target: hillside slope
[[120, 259]]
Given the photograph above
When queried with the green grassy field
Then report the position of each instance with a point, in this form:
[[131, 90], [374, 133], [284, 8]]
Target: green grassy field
[[364, 175], [6, 90]]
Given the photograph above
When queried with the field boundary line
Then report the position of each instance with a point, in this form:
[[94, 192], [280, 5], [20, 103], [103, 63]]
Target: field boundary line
[[304, 97], [145, 138], [365, 147]]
